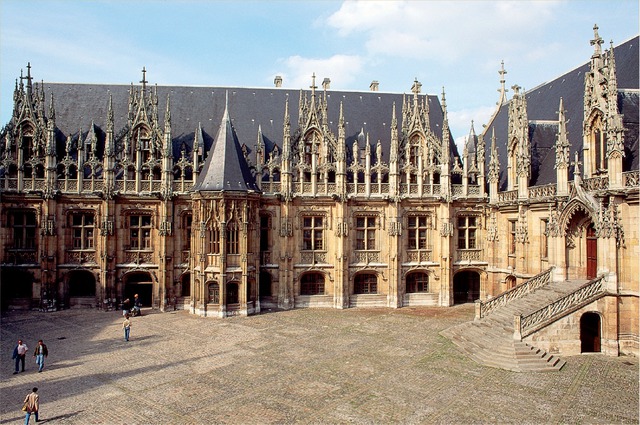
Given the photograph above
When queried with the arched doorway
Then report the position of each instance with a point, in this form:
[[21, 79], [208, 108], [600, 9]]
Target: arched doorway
[[232, 293], [81, 288], [581, 246], [16, 287], [265, 285], [466, 287], [185, 284], [511, 282], [590, 333], [139, 283]]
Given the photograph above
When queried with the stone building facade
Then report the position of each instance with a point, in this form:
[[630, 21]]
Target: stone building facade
[[228, 201]]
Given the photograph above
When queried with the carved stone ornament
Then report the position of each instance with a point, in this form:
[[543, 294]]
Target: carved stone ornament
[[492, 229], [446, 229]]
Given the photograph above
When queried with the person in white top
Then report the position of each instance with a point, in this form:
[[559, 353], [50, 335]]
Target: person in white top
[[19, 354]]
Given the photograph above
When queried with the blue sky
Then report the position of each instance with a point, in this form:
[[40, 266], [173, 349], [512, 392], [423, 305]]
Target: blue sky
[[457, 45]]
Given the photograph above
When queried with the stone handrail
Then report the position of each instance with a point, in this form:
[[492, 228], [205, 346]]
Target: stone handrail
[[631, 178], [545, 191], [508, 196], [483, 308], [526, 325]]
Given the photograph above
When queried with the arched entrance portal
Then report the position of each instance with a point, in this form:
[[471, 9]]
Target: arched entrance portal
[[81, 289], [139, 283], [16, 287], [581, 247], [232, 293], [590, 333], [466, 287]]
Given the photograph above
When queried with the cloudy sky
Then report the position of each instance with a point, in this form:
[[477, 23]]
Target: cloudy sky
[[458, 45]]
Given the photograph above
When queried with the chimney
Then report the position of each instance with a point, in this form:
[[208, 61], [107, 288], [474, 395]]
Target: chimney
[[326, 83], [374, 85], [277, 81]]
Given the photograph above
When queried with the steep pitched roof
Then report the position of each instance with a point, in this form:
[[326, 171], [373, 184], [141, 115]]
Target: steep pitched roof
[[78, 104], [226, 168], [542, 106]]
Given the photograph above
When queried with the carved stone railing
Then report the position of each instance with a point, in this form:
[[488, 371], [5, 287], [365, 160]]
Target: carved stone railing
[[12, 183], [469, 255], [483, 308], [312, 257], [473, 190], [418, 256], [456, 189], [596, 183], [119, 185], [366, 257], [138, 257], [80, 257], [20, 256], [508, 196], [526, 325], [130, 186], [546, 191], [404, 188], [631, 178]]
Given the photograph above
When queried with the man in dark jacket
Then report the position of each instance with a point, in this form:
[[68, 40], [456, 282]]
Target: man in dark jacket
[[40, 353]]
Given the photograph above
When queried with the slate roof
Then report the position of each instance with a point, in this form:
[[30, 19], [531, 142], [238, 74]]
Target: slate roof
[[542, 106], [225, 168], [78, 105]]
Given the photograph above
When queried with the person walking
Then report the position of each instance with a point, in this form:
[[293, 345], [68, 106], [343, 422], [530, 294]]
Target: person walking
[[40, 353], [19, 354], [31, 405], [126, 325]]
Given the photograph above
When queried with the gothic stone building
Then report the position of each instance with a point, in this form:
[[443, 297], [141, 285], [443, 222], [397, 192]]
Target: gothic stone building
[[225, 201]]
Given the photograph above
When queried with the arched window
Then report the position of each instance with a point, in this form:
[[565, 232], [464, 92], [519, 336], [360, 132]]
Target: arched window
[[312, 284], [365, 283], [417, 282]]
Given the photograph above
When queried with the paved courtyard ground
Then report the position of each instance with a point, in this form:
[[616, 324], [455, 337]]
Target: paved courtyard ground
[[308, 366]]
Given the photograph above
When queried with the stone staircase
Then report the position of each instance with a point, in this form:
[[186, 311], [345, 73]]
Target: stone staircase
[[489, 340]]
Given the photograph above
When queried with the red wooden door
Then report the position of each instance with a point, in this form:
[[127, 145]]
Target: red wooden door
[[592, 253]]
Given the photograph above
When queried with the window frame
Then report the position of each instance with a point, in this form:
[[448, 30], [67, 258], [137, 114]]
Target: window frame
[[418, 235], [366, 232], [140, 232], [313, 233], [467, 232], [365, 284]]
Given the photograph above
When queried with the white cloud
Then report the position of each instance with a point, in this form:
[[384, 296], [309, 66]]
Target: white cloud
[[442, 30], [342, 70]]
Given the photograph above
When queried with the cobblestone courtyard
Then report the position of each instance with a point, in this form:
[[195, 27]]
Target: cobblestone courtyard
[[316, 366]]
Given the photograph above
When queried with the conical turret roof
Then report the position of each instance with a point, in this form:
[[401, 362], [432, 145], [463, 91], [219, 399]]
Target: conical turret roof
[[225, 167]]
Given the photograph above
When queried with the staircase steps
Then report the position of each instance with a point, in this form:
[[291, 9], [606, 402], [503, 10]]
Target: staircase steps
[[489, 341]]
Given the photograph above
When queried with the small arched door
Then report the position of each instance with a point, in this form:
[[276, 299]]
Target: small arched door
[[466, 287], [590, 333], [82, 288]]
